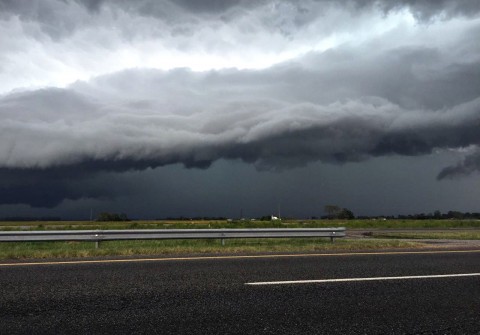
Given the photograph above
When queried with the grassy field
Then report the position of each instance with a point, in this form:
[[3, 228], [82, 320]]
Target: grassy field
[[87, 249], [352, 224], [429, 235], [176, 247]]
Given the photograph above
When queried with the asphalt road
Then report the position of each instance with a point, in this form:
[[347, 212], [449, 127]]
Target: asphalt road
[[210, 296]]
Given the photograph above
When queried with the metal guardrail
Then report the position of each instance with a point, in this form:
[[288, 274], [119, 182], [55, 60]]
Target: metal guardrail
[[167, 234]]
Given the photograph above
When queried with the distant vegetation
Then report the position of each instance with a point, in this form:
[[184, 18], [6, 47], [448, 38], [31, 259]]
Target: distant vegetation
[[193, 218], [437, 215], [108, 217], [333, 213]]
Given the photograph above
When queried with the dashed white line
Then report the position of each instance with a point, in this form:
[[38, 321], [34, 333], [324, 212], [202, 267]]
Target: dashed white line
[[342, 280]]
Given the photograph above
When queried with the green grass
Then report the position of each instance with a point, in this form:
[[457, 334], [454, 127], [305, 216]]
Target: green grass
[[352, 224], [430, 235], [23, 250]]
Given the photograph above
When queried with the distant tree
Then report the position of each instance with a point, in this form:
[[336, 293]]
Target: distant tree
[[123, 217], [455, 215], [105, 216], [332, 211], [346, 214], [335, 212]]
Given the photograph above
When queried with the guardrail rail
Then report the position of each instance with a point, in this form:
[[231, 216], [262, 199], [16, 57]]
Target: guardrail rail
[[167, 234]]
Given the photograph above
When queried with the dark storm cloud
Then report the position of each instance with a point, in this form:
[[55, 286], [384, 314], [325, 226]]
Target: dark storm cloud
[[396, 93], [140, 118], [425, 8], [42, 189], [45, 188], [59, 19], [48, 188], [469, 165]]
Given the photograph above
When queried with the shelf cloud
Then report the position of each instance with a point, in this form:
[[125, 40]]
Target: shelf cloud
[[93, 87]]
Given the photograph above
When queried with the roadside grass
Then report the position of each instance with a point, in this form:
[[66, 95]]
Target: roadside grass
[[24, 250], [429, 235], [161, 224]]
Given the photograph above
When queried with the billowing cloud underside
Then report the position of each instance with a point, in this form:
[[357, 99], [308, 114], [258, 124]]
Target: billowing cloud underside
[[389, 95]]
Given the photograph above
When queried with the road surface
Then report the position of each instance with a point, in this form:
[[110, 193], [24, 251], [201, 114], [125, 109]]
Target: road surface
[[380, 293]]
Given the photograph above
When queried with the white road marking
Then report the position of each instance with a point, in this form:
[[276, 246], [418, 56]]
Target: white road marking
[[342, 280]]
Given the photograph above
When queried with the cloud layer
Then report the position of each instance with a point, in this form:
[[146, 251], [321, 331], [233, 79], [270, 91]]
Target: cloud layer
[[289, 89], [284, 116]]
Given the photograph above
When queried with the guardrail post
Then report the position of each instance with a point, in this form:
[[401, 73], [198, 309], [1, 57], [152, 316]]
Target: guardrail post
[[223, 242], [97, 242]]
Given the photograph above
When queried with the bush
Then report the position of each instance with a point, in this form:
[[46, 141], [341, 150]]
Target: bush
[[105, 216]]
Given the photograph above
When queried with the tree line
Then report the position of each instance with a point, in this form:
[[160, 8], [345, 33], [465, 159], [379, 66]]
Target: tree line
[[332, 212], [437, 215]]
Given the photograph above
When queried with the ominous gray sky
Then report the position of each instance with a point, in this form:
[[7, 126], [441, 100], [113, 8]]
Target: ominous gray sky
[[168, 108]]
